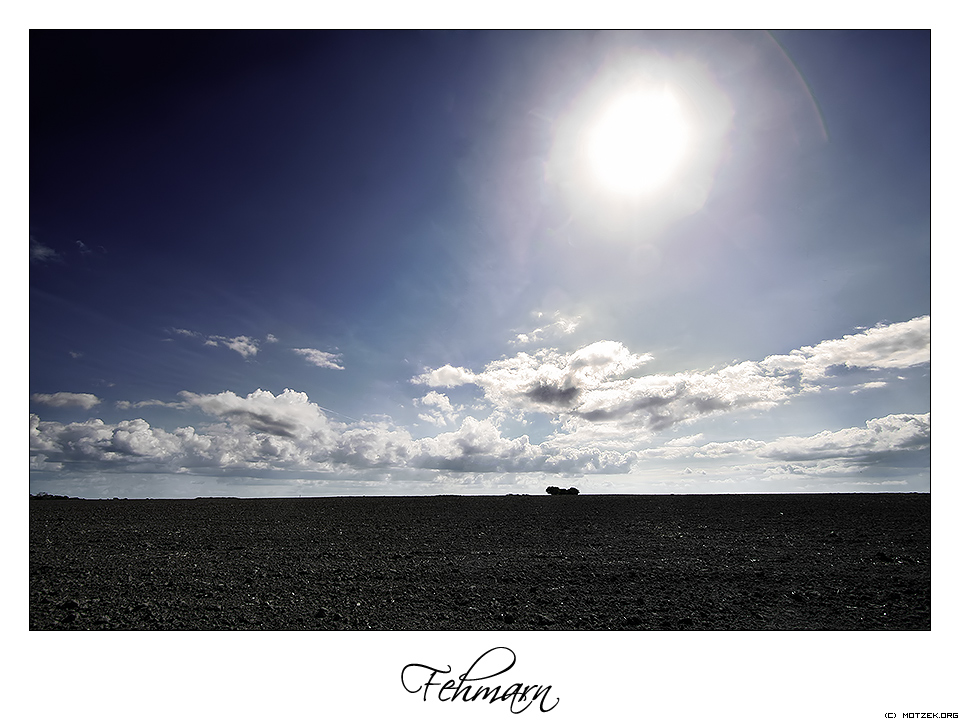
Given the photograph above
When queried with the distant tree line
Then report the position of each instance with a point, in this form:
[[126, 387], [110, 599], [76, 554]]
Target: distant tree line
[[554, 490]]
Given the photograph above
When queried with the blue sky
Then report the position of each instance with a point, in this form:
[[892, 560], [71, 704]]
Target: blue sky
[[396, 264]]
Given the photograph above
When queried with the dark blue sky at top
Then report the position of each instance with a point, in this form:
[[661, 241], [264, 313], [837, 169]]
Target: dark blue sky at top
[[239, 175], [255, 177], [382, 196]]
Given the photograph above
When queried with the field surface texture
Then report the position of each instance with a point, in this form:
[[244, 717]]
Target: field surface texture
[[589, 562]]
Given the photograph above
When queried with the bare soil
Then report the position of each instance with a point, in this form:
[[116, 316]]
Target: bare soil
[[516, 562]]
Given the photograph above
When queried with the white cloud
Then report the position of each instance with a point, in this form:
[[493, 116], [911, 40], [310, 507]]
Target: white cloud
[[320, 358], [67, 399], [893, 433], [878, 437], [439, 409], [97, 443], [258, 432], [605, 419], [478, 446], [868, 386], [550, 381], [289, 414], [372, 445], [685, 441], [899, 345], [41, 253], [588, 384], [560, 327], [262, 432], [128, 405], [594, 383], [246, 346], [446, 376], [658, 402], [725, 449]]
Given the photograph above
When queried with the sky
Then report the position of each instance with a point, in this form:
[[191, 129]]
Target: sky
[[419, 263]]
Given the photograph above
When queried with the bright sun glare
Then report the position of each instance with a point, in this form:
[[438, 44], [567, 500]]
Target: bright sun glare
[[639, 141]]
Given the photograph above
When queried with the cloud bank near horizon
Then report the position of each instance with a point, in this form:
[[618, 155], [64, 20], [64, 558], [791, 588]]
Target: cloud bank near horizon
[[263, 433], [605, 415]]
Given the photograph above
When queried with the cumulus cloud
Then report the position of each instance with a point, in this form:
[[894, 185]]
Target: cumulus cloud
[[476, 446], [263, 432], [290, 414], [479, 446], [367, 444], [67, 399], [97, 443], [877, 438], [605, 415], [596, 383], [658, 402], [445, 377], [257, 432], [890, 434], [320, 358], [439, 410], [550, 381], [588, 384], [898, 345]]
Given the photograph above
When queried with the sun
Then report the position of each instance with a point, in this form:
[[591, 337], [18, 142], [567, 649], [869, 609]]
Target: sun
[[639, 141]]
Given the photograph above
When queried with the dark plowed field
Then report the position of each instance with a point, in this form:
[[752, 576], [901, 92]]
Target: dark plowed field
[[589, 562]]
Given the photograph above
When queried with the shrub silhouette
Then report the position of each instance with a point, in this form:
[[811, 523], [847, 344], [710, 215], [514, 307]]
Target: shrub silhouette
[[554, 490]]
